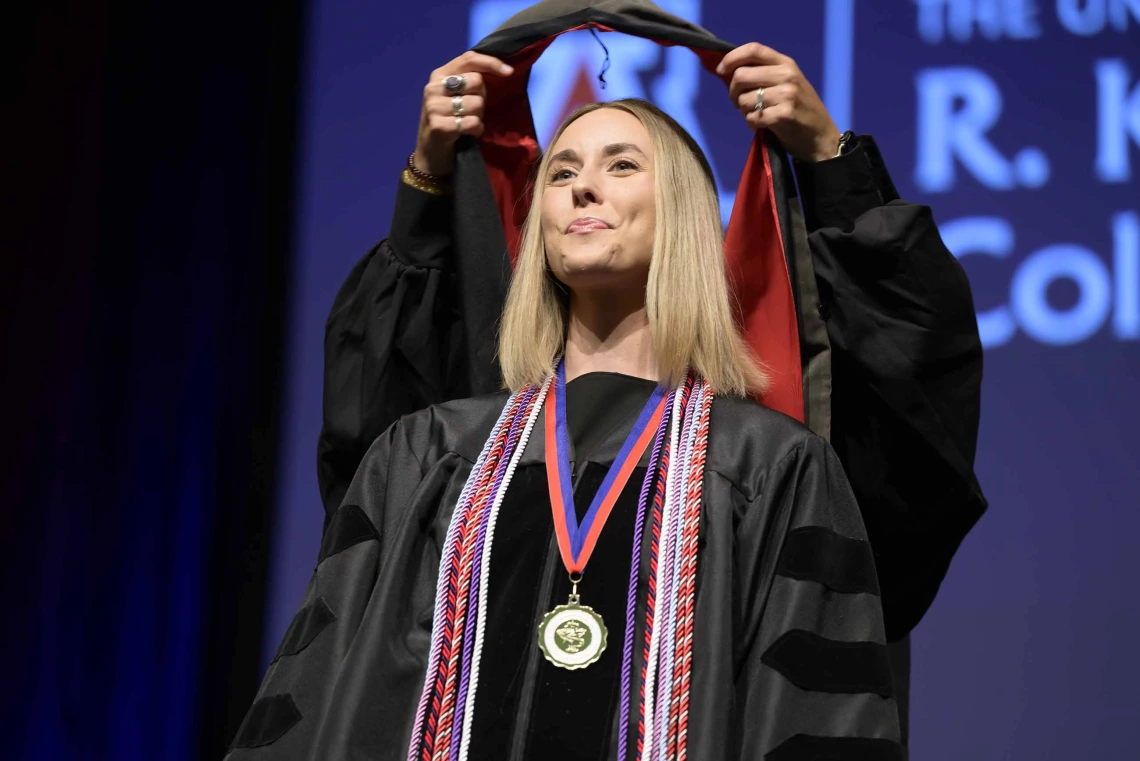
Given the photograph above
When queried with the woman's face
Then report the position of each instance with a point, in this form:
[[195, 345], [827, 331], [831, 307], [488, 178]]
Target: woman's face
[[598, 209]]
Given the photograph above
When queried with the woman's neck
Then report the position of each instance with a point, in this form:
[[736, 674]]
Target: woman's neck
[[609, 333]]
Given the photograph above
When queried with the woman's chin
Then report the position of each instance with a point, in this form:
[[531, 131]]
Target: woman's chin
[[585, 261], [604, 276]]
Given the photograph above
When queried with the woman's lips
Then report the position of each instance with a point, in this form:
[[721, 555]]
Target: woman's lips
[[586, 225]]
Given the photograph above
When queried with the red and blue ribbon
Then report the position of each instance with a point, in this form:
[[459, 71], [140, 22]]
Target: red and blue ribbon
[[576, 541]]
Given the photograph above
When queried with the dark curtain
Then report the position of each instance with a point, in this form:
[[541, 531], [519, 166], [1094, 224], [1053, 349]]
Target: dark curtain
[[148, 184]]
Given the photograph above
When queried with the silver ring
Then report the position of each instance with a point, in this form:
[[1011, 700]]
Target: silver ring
[[459, 122], [456, 84], [759, 107], [457, 105]]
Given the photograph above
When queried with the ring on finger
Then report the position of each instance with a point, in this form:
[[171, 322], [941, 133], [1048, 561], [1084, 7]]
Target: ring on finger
[[457, 105], [759, 107], [458, 122], [456, 84]]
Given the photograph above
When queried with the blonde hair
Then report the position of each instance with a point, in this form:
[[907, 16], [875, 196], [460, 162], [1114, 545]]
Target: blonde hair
[[686, 297]]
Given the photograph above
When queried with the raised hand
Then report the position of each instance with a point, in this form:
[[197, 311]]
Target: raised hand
[[449, 112], [790, 106]]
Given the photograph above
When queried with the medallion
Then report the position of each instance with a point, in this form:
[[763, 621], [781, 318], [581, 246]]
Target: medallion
[[572, 636]]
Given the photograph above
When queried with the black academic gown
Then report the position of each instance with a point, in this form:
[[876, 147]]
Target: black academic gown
[[905, 359], [790, 659]]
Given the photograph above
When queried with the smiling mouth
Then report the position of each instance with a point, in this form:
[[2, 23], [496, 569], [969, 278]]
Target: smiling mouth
[[587, 225]]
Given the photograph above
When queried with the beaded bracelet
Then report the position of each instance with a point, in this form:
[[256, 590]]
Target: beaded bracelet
[[428, 187], [442, 183]]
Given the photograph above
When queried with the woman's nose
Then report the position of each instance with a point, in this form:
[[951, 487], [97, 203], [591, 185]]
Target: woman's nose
[[584, 192]]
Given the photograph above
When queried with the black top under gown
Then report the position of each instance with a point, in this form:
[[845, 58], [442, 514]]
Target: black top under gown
[[789, 642]]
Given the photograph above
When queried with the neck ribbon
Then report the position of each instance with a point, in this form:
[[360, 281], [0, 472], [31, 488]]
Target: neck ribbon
[[576, 541]]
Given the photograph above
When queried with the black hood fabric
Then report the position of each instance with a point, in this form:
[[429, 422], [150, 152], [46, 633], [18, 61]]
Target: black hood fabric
[[766, 245]]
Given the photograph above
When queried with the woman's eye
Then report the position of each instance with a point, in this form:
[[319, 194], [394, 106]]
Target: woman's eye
[[561, 174], [624, 165]]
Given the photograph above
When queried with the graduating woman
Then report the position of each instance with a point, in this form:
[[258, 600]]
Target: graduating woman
[[780, 644], [621, 558]]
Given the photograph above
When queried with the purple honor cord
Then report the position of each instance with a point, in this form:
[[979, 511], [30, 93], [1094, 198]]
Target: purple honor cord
[[631, 597]]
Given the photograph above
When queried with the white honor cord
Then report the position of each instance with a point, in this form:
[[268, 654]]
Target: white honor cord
[[441, 584], [669, 624], [703, 410], [485, 571], [655, 638]]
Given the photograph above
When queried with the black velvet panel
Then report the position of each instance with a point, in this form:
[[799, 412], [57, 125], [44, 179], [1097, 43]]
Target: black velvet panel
[[838, 562], [810, 748], [307, 624], [349, 526], [268, 719], [812, 662]]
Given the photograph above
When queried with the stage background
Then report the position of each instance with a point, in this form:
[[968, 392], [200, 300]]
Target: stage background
[[148, 193], [1019, 123], [187, 186]]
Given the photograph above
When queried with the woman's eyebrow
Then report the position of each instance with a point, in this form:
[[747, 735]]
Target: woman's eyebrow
[[566, 154], [614, 149]]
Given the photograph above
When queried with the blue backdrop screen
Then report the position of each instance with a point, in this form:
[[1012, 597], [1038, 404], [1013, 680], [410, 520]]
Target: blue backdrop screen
[[1018, 121]]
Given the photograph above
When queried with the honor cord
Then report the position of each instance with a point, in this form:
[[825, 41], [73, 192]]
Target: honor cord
[[672, 581], [672, 569], [478, 584], [485, 571], [655, 637], [441, 581], [689, 575]]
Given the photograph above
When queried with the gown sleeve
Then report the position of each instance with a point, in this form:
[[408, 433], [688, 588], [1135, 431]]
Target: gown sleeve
[[907, 371], [812, 675], [391, 338], [296, 698]]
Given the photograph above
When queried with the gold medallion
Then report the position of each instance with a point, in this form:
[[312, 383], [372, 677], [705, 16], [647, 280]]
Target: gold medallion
[[572, 636]]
